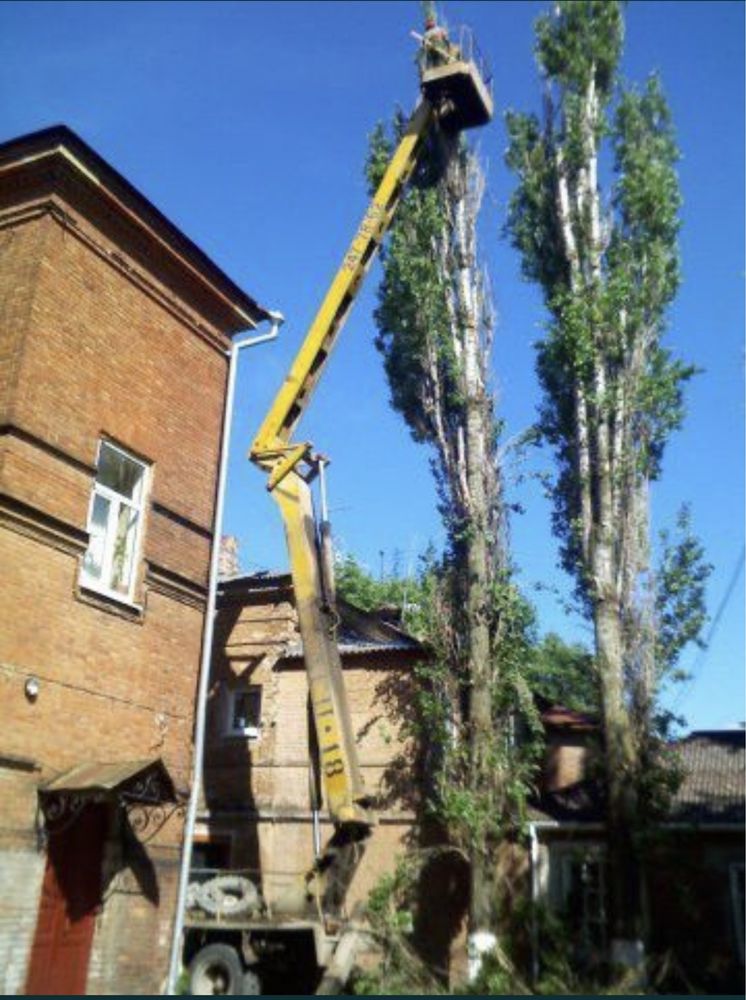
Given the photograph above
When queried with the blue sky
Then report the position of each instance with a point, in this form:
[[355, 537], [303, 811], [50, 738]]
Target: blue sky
[[246, 123]]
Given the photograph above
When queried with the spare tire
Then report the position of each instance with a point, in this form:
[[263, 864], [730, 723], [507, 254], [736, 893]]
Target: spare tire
[[216, 970], [193, 895], [228, 896]]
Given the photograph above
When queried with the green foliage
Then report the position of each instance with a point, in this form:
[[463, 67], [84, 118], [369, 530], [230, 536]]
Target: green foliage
[[421, 336], [356, 585], [532, 222], [584, 42], [613, 392], [411, 317], [607, 305], [680, 592], [390, 911], [564, 673], [476, 814], [432, 612]]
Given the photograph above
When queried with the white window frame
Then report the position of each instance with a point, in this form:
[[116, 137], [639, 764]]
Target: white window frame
[[116, 501], [252, 732]]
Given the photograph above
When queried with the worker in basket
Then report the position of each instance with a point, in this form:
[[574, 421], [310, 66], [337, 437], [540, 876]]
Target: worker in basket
[[436, 49]]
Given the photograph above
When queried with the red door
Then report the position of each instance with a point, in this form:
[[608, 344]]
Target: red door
[[70, 897]]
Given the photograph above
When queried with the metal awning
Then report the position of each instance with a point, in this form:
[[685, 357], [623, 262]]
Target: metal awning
[[142, 781]]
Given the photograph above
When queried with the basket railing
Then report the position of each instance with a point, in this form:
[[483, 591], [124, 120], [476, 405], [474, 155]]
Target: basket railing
[[471, 52]]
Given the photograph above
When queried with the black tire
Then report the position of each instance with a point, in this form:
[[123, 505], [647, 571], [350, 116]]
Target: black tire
[[252, 984], [216, 970]]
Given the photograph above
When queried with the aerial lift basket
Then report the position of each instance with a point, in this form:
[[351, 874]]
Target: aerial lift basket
[[456, 80]]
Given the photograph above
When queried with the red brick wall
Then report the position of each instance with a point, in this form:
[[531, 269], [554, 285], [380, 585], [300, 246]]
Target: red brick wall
[[89, 350], [100, 357], [20, 259], [268, 777], [566, 761]]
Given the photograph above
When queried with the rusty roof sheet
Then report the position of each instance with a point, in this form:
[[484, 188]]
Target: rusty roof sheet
[[560, 716]]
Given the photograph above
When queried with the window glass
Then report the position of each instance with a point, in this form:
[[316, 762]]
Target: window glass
[[124, 543], [246, 710], [114, 523], [94, 557], [118, 472]]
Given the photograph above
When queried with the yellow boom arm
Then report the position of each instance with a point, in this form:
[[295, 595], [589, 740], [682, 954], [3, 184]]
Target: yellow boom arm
[[288, 465], [271, 447], [454, 93]]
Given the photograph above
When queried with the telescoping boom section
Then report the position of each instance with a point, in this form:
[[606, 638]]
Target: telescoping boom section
[[455, 95]]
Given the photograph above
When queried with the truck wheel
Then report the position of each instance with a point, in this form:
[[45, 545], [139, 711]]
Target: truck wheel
[[252, 984], [216, 970]]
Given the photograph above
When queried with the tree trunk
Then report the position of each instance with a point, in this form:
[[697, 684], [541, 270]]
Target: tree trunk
[[480, 668], [621, 811]]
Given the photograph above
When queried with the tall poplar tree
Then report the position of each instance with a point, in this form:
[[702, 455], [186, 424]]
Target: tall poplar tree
[[608, 265], [435, 326]]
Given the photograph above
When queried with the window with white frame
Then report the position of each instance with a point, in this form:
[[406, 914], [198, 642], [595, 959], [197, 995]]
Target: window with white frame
[[245, 712], [115, 523]]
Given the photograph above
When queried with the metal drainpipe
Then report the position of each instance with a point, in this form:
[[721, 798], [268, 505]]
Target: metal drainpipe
[[534, 859], [276, 320], [327, 563]]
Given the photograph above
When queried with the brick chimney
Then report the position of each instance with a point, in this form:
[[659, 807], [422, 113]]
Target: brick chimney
[[228, 566]]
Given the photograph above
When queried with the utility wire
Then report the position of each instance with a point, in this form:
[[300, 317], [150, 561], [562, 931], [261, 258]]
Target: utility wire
[[697, 665]]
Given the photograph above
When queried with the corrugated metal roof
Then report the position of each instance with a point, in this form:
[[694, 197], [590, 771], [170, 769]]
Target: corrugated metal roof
[[359, 632], [294, 650]]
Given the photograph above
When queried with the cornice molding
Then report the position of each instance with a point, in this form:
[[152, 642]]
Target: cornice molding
[[36, 524], [164, 581]]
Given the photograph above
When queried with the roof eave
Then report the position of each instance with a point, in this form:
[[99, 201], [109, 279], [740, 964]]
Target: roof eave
[[59, 141]]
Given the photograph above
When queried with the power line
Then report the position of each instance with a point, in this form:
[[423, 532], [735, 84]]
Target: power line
[[697, 665]]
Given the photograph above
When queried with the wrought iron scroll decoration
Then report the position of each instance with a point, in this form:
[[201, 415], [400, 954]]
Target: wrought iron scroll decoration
[[147, 819]]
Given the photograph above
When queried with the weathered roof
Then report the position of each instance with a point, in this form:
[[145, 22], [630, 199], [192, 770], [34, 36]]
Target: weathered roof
[[712, 789], [561, 717], [362, 632], [350, 645], [254, 582], [359, 632]]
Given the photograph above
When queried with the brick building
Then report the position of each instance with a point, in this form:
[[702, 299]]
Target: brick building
[[695, 859], [257, 816], [257, 813], [115, 331]]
